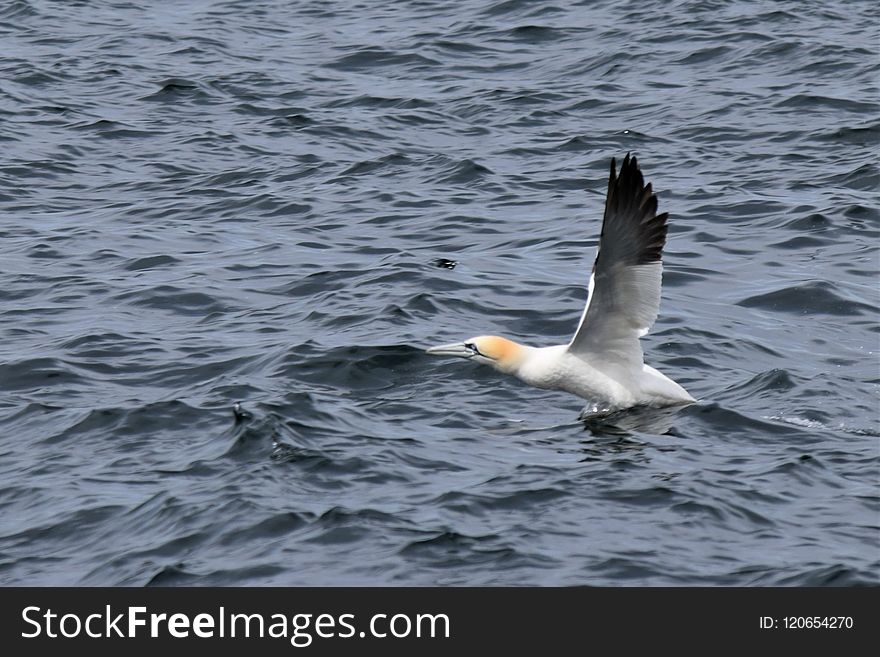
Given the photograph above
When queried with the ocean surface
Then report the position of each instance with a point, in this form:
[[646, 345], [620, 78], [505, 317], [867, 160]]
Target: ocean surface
[[282, 204]]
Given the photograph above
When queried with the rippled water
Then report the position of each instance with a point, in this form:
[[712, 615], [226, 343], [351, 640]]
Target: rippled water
[[210, 202]]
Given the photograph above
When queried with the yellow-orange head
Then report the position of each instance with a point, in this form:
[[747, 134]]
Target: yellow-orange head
[[501, 353]]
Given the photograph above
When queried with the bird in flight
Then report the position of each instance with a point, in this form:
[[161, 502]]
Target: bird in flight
[[603, 363]]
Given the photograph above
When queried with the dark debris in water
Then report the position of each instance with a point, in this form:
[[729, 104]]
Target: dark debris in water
[[444, 263], [241, 414]]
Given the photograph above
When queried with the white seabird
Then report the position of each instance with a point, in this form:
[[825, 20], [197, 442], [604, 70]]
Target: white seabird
[[603, 363]]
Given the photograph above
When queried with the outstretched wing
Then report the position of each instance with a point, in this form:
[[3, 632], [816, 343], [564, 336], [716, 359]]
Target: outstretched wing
[[624, 287]]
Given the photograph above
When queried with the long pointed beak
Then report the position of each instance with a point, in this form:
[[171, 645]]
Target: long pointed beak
[[455, 349]]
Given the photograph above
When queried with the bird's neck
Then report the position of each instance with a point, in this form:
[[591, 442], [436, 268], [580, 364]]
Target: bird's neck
[[512, 355]]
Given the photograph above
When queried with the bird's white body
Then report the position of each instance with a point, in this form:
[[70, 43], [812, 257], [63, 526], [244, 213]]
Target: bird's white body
[[603, 363], [556, 368]]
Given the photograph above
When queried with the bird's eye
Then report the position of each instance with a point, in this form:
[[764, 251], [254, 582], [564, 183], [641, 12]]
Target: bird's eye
[[472, 347]]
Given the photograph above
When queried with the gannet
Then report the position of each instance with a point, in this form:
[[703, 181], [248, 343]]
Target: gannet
[[603, 363]]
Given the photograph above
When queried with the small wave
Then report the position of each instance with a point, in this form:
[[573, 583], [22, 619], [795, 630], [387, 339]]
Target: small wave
[[113, 130], [175, 300], [521, 499], [860, 136], [725, 420], [830, 575], [464, 172], [35, 373], [538, 33], [813, 101], [816, 424], [864, 178], [176, 90], [150, 262], [370, 58], [815, 297]]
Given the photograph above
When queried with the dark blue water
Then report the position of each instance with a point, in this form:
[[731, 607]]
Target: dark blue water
[[210, 202]]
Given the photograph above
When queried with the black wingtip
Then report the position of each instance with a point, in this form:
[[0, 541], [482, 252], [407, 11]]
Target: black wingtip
[[630, 165], [631, 200]]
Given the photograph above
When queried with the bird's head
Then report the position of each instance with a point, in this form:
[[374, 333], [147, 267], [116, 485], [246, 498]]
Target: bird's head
[[501, 353]]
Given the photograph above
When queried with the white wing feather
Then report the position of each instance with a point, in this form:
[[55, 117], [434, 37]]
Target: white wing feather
[[624, 288]]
